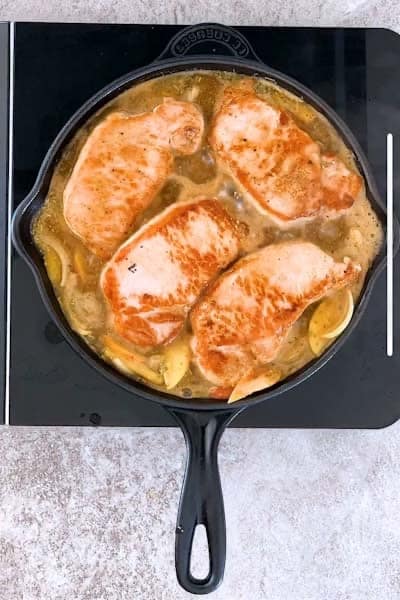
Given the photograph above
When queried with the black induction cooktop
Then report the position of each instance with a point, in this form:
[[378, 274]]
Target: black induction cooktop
[[47, 72]]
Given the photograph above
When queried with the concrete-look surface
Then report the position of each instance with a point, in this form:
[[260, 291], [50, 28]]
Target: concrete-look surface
[[90, 514]]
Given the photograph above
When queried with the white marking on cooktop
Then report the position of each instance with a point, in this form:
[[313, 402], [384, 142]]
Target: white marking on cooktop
[[10, 192], [389, 243]]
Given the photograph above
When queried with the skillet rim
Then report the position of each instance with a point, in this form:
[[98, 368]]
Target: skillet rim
[[26, 212]]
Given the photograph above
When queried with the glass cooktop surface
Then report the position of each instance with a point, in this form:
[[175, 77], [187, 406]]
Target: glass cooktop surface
[[54, 69]]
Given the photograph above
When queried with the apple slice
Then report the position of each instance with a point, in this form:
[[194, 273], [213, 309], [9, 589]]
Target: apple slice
[[176, 360], [252, 382]]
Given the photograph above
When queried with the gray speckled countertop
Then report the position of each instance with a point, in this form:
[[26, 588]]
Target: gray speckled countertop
[[90, 514]]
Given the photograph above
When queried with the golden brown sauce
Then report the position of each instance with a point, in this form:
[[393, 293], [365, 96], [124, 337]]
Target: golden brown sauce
[[356, 234]]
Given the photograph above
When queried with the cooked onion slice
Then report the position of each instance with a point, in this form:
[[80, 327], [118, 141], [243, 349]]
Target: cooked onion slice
[[132, 362], [192, 93], [84, 310], [80, 265], [251, 383], [54, 246], [53, 266]]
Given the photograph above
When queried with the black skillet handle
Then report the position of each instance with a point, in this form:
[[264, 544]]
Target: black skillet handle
[[209, 38], [201, 500]]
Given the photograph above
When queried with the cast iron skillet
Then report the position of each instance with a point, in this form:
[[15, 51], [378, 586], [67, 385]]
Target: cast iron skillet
[[202, 422]]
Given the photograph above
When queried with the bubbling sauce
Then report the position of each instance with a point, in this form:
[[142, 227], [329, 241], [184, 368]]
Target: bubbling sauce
[[75, 271]]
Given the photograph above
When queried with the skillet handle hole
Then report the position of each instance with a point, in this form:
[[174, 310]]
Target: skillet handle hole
[[200, 554]]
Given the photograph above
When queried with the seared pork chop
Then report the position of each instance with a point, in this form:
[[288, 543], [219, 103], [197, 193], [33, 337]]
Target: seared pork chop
[[155, 277], [242, 320], [279, 167], [121, 167]]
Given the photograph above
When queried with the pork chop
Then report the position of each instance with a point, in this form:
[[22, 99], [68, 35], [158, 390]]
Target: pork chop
[[242, 320], [155, 277], [121, 167], [278, 166]]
